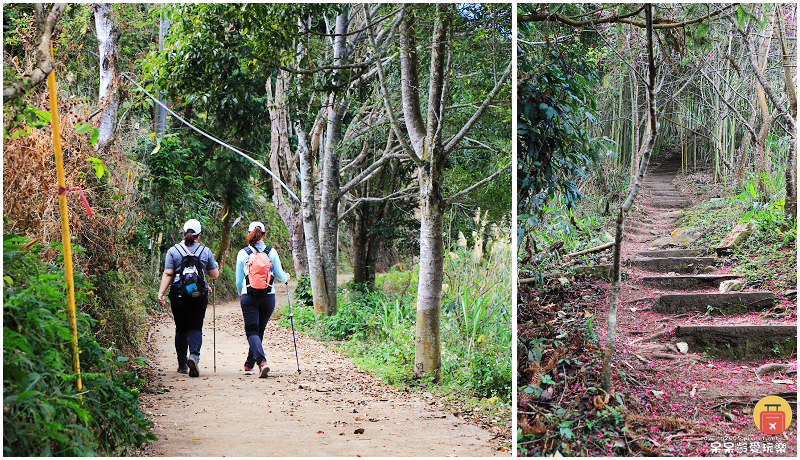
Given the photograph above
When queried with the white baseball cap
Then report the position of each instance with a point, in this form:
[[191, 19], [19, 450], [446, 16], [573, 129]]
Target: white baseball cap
[[194, 225], [255, 224]]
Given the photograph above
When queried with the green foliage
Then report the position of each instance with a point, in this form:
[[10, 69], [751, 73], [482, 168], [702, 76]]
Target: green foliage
[[302, 292], [376, 328], [16, 113], [42, 411], [555, 102]]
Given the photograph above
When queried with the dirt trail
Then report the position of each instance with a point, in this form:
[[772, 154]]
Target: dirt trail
[[315, 414]]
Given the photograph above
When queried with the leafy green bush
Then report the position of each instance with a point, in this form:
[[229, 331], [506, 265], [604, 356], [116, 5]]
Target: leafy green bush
[[302, 292], [43, 412]]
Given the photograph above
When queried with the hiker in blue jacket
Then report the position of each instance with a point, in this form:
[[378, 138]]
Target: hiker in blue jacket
[[257, 304], [188, 308]]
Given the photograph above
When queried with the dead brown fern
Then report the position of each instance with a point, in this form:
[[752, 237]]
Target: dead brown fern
[[30, 193]]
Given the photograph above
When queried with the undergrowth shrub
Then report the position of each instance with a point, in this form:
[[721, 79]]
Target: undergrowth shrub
[[43, 413], [377, 328]]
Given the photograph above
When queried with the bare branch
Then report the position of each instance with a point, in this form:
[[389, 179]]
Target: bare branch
[[478, 113], [399, 195], [44, 60], [613, 19], [477, 184], [389, 110], [368, 171]]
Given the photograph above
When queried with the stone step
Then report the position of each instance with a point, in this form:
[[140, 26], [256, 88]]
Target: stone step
[[598, 271], [659, 186], [666, 193], [686, 282], [671, 264], [670, 203], [739, 341], [673, 253], [727, 302]]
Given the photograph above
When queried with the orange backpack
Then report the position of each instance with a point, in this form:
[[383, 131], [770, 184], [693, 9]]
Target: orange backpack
[[259, 272]]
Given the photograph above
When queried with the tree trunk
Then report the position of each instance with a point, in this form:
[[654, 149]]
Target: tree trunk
[[291, 213], [310, 224], [790, 207], [161, 112], [634, 122], [428, 345], [626, 206], [373, 249], [329, 194], [360, 242], [225, 238], [107, 38], [428, 153]]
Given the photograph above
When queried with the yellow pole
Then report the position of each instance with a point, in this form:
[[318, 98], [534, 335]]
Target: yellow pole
[[62, 207]]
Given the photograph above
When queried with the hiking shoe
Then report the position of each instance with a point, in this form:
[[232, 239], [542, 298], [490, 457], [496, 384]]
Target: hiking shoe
[[192, 363], [264, 369], [248, 370], [183, 369]]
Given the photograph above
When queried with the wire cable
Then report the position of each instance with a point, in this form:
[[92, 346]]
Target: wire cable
[[257, 163]]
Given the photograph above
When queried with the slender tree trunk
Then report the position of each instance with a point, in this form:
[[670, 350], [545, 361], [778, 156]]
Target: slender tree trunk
[[359, 246], [310, 224], [626, 206], [161, 112], [108, 39], [329, 194], [373, 249], [225, 238], [291, 213], [790, 207], [634, 122]]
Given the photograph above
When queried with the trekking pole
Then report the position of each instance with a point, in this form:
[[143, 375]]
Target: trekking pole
[[291, 318], [214, 314]]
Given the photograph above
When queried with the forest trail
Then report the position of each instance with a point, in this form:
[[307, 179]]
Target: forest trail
[[315, 414], [667, 289]]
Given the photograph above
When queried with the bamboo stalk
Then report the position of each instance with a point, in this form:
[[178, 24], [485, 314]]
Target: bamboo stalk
[[590, 250], [62, 207]]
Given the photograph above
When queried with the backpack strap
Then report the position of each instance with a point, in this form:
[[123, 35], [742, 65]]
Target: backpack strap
[[186, 248]]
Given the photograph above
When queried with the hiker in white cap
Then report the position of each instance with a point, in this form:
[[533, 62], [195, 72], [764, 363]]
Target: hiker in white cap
[[185, 270], [257, 267]]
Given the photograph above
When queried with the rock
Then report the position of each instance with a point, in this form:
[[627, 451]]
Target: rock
[[685, 235], [739, 233], [679, 237], [706, 270], [731, 285], [683, 347], [790, 293]]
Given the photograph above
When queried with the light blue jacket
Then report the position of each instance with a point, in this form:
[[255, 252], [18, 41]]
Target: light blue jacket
[[241, 268]]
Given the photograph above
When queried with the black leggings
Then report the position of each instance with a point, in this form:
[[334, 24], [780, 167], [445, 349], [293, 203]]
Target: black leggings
[[256, 313], [189, 313]]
